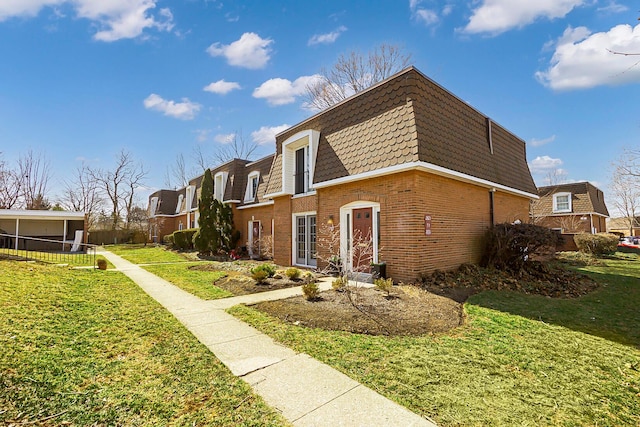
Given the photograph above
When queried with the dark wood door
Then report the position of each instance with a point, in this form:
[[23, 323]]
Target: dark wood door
[[362, 241]]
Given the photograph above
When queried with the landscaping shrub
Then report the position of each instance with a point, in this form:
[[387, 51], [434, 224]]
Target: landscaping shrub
[[102, 263], [168, 240], [596, 244], [511, 246], [262, 272], [311, 291], [339, 283], [292, 273], [183, 239], [384, 285]]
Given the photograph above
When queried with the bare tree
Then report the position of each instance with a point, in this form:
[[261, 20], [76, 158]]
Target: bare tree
[[34, 173], [238, 148], [176, 175], [10, 186], [555, 177], [354, 72], [82, 194], [119, 184], [625, 186]]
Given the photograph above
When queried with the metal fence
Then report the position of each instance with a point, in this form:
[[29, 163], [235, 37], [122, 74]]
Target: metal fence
[[53, 251]]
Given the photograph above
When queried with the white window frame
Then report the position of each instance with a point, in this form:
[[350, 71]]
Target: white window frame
[[294, 239], [219, 185], [307, 138], [179, 205], [346, 230], [250, 194], [190, 191], [153, 206], [557, 209]]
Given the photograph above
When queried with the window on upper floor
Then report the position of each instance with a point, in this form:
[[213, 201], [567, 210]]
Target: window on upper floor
[[561, 202], [219, 184], [299, 153], [252, 186], [179, 205], [153, 206]]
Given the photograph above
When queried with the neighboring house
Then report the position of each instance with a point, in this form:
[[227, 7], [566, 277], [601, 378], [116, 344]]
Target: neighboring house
[[571, 208], [413, 170], [624, 226]]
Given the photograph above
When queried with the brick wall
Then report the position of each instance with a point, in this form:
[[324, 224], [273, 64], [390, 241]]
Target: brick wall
[[459, 211], [241, 218]]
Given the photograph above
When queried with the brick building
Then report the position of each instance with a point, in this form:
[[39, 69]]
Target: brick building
[[405, 169]]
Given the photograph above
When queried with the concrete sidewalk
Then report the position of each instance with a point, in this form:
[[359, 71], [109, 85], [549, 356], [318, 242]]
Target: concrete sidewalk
[[305, 391]]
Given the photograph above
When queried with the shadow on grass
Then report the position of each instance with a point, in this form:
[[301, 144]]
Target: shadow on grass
[[611, 312]]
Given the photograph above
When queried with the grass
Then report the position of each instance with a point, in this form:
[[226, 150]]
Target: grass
[[520, 360], [197, 282], [140, 254], [69, 258], [90, 348]]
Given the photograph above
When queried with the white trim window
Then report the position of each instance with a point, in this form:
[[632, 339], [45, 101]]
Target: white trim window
[[153, 207], [219, 184], [304, 239], [299, 154], [179, 205], [562, 202], [252, 187]]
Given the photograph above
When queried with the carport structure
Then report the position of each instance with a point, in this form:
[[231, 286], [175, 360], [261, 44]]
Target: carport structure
[[60, 229]]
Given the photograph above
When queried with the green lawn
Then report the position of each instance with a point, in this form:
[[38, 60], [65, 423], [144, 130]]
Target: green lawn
[[520, 360], [140, 254], [196, 282], [89, 347]]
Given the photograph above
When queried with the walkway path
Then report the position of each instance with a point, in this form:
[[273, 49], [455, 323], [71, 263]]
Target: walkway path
[[305, 391]]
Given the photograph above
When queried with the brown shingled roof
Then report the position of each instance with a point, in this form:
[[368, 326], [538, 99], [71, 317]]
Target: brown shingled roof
[[409, 118], [585, 198]]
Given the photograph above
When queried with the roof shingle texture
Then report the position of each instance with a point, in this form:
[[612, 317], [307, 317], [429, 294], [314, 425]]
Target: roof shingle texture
[[404, 119], [585, 198]]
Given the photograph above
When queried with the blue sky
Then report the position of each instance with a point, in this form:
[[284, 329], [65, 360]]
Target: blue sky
[[82, 79]]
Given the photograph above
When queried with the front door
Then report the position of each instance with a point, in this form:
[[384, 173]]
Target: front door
[[254, 243], [306, 240], [362, 239]]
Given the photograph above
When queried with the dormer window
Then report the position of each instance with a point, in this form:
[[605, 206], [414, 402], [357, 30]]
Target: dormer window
[[252, 187], [299, 153], [153, 206], [219, 183], [179, 205], [561, 202]]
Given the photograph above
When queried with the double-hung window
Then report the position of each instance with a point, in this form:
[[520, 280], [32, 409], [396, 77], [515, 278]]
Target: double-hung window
[[252, 187], [301, 175], [561, 202]]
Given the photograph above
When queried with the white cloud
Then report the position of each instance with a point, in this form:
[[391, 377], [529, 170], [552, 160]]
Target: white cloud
[[613, 7], [498, 16], [327, 38], [267, 135], [202, 134], [250, 51], [426, 16], [583, 60], [221, 87], [185, 110], [116, 19], [282, 91], [539, 142], [224, 138], [544, 164]]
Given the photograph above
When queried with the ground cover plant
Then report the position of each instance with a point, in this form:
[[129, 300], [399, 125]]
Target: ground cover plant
[[519, 359], [83, 347]]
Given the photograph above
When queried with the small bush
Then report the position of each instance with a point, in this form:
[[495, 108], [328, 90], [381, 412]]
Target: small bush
[[262, 272], [510, 246], [384, 285], [311, 291], [168, 240], [339, 283], [102, 263], [596, 244], [293, 273], [183, 239], [308, 277]]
